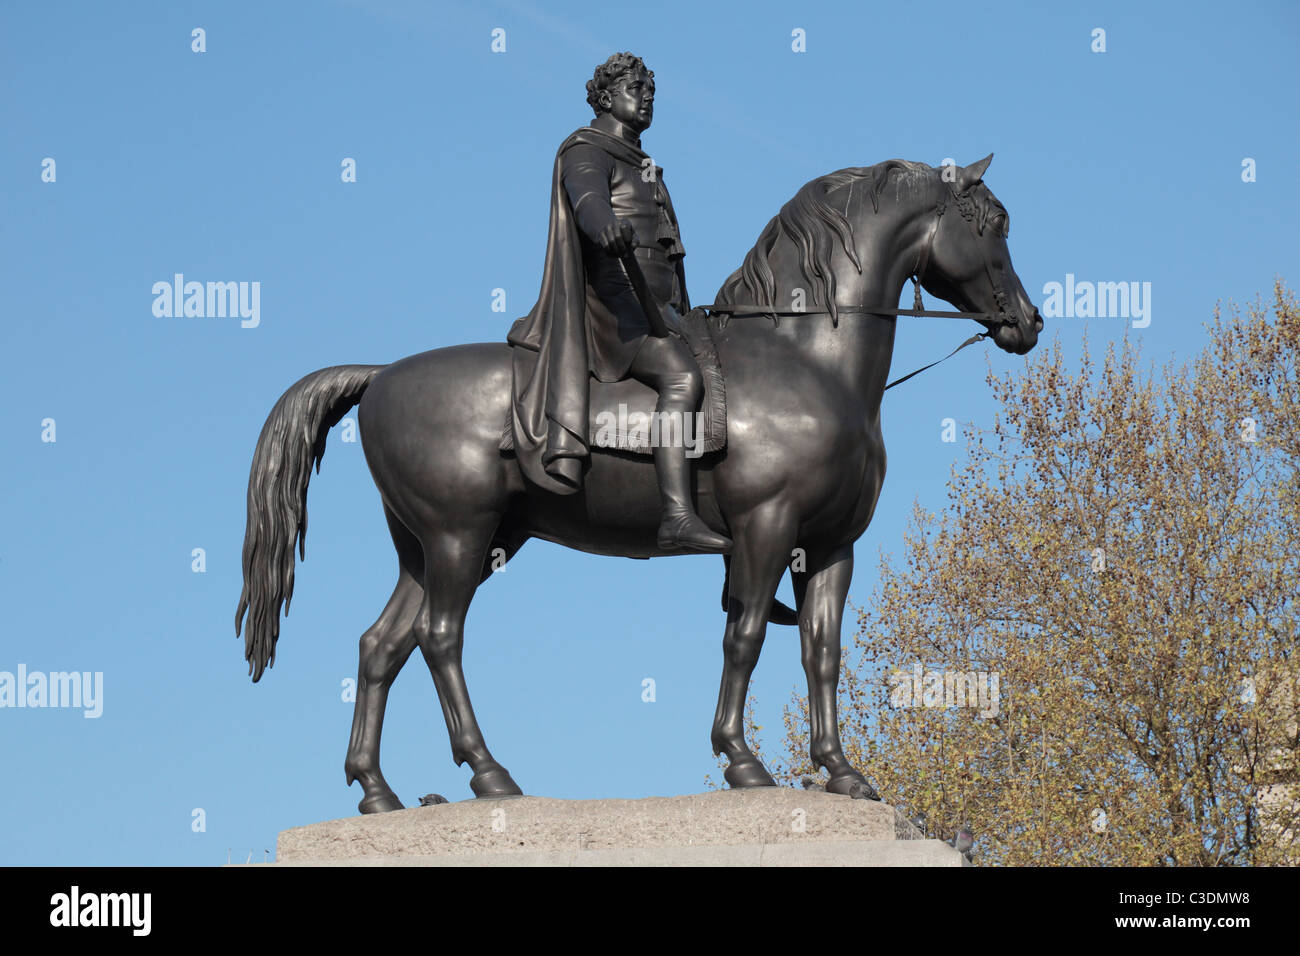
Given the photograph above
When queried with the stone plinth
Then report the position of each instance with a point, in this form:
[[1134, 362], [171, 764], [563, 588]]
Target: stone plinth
[[760, 827]]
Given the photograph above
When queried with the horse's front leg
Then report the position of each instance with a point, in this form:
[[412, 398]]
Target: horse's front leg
[[820, 594], [761, 548]]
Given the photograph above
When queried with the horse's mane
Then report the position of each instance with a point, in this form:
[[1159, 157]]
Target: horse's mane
[[813, 225]]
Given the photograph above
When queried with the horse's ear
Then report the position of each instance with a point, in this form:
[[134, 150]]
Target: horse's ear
[[973, 173]]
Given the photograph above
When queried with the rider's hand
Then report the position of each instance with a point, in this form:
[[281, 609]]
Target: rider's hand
[[618, 238]]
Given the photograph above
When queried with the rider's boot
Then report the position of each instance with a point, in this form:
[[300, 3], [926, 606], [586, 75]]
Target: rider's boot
[[680, 527]]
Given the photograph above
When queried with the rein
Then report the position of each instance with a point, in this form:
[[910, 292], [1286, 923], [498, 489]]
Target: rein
[[918, 307], [735, 310]]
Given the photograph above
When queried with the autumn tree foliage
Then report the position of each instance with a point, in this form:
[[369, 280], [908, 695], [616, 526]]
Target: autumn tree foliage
[[1120, 552]]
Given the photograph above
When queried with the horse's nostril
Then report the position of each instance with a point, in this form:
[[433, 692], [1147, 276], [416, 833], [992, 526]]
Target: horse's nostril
[[1038, 321]]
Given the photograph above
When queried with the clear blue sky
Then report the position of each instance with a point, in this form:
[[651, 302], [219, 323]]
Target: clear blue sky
[[225, 165]]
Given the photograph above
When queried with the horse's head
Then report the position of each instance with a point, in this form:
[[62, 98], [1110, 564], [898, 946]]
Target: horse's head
[[966, 262], [943, 224]]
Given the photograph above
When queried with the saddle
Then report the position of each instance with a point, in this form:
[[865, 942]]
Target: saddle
[[621, 415]]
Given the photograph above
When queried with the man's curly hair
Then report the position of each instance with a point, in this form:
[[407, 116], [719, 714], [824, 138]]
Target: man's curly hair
[[609, 73]]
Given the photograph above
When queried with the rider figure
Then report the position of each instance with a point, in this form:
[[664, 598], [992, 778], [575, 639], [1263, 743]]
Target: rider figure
[[621, 207]]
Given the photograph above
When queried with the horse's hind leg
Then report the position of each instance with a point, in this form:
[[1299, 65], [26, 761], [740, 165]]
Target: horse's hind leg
[[385, 647], [454, 566]]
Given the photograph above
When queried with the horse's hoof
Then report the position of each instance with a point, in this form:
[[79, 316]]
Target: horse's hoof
[[432, 799], [494, 783], [852, 785], [380, 803], [746, 773]]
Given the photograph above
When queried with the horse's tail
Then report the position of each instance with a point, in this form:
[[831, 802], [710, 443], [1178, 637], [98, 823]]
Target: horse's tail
[[291, 440]]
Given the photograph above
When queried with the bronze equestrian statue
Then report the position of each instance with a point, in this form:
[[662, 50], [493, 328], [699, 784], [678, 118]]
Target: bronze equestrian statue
[[803, 332]]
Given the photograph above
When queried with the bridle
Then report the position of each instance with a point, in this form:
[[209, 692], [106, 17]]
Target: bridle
[[966, 210]]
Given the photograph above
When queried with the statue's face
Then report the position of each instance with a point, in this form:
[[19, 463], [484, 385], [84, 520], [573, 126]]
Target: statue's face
[[632, 101]]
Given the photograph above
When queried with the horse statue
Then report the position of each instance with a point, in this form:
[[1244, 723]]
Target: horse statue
[[800, 473]]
